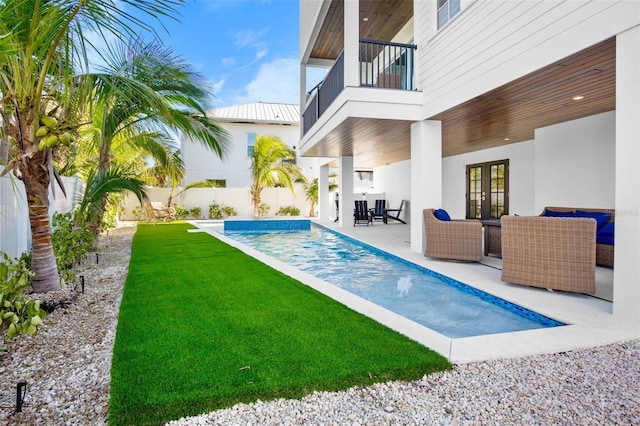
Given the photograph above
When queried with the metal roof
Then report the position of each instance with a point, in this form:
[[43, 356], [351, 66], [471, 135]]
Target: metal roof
[[259, 112]]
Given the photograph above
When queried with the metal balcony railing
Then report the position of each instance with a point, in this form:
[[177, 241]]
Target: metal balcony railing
[[382, 64]]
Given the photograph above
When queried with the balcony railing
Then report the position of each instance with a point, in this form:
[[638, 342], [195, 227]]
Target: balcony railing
[[382, 64]]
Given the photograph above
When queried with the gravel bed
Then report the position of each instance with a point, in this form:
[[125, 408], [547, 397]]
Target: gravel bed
[[67, 369]]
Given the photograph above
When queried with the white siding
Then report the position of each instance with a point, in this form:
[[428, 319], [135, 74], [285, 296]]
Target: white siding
[[202, 164], [473, 55]]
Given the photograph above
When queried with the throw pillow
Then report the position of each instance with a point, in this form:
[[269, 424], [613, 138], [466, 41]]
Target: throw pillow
[[555, 213], [442, 214], [608, 230], [601, 217]]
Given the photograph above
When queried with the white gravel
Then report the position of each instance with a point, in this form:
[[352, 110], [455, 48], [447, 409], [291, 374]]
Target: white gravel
[[67, 369]]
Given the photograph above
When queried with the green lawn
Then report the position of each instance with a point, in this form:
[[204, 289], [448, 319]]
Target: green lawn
[[202, 326]]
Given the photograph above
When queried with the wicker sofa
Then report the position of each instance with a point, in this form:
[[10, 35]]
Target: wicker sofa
[[549, 252], [604, 252], [452, 239]]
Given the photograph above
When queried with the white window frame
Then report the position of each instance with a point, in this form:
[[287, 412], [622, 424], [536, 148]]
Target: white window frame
[[447, 11]]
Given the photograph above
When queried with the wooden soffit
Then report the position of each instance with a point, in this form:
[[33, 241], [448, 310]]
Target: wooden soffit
[[545, 97], [384, 18], [371, 142]]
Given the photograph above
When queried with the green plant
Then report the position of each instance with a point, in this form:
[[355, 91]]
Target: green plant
[[18, 314], [272, 165], [218, 211], [181, 211], [71, 240], [112, 212], [215, 211], [137, 213], [311, 190], [229, 211], [263, 209], [195, 212], [288, 211]]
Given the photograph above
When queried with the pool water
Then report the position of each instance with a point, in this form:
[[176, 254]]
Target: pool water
[[437, 302]]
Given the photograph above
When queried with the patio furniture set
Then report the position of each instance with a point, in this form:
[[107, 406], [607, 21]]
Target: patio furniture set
[[362, 214], [557, 250]]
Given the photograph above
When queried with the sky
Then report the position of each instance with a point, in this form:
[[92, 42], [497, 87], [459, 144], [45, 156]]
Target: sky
[[246, 49]]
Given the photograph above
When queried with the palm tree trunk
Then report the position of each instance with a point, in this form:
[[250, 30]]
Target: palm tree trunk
[[35, 176]]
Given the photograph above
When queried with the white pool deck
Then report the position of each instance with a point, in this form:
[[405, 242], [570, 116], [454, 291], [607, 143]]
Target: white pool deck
[[590, 320]]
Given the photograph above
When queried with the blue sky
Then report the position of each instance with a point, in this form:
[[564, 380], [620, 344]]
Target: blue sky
[[246, 49]]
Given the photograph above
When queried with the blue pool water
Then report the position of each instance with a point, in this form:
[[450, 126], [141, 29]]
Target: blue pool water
[[419, 294]]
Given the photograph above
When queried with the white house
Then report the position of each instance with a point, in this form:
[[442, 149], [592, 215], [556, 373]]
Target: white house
[[243, 123], [423, 92]]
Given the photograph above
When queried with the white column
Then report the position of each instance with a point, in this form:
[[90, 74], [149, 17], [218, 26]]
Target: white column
[[351, 43], [426, 176], [303, 95], [324, 201], [345, 190], [626, 273]]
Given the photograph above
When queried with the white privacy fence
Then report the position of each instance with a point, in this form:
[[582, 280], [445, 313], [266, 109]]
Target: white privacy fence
[[15, 233], [15, 236]]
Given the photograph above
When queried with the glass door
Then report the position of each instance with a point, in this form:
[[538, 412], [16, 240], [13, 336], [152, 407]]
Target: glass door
[[488, 190]]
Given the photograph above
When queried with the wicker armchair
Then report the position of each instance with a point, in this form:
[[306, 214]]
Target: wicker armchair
[[455, 239], [549, 252]]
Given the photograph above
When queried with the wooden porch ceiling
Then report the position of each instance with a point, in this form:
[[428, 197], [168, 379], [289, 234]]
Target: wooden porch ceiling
[[384, 18], [502, 116], [512, 112]]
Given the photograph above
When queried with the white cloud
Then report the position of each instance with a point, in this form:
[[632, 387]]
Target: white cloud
[[218, 85], [244, 38], [228, 61], [276, 81]]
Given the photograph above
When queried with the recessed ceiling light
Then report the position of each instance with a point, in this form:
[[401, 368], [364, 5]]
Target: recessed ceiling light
[[506, 139], [365, 19], [577, 98]]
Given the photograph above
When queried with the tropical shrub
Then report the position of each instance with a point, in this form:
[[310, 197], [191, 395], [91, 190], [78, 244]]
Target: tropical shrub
[[288, 211], [138, 214], [195, 213], [218, 211], [181, 211], [229, 211], [18, 314], [71, 240], [215, 211], [263, 209], [112, 212]]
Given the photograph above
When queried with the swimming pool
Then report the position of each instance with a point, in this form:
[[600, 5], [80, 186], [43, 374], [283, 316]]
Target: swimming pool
[[433, 300]]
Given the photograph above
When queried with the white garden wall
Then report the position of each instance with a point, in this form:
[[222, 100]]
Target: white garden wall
[[238, 198]]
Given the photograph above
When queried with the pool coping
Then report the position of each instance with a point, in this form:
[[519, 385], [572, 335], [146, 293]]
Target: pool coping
[[589, 321]]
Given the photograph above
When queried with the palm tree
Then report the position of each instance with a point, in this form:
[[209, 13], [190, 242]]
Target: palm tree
[[173, 96], [41, 43], [271, 166], [311, 191]]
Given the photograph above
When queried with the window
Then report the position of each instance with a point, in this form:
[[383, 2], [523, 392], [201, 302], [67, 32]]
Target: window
[[217, 183], [251, 141], [488, 190], [447, 9]]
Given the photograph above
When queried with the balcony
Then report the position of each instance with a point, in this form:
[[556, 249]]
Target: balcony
[[383, 65]]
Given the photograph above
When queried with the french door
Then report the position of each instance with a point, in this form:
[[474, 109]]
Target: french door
[[488, 190]]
